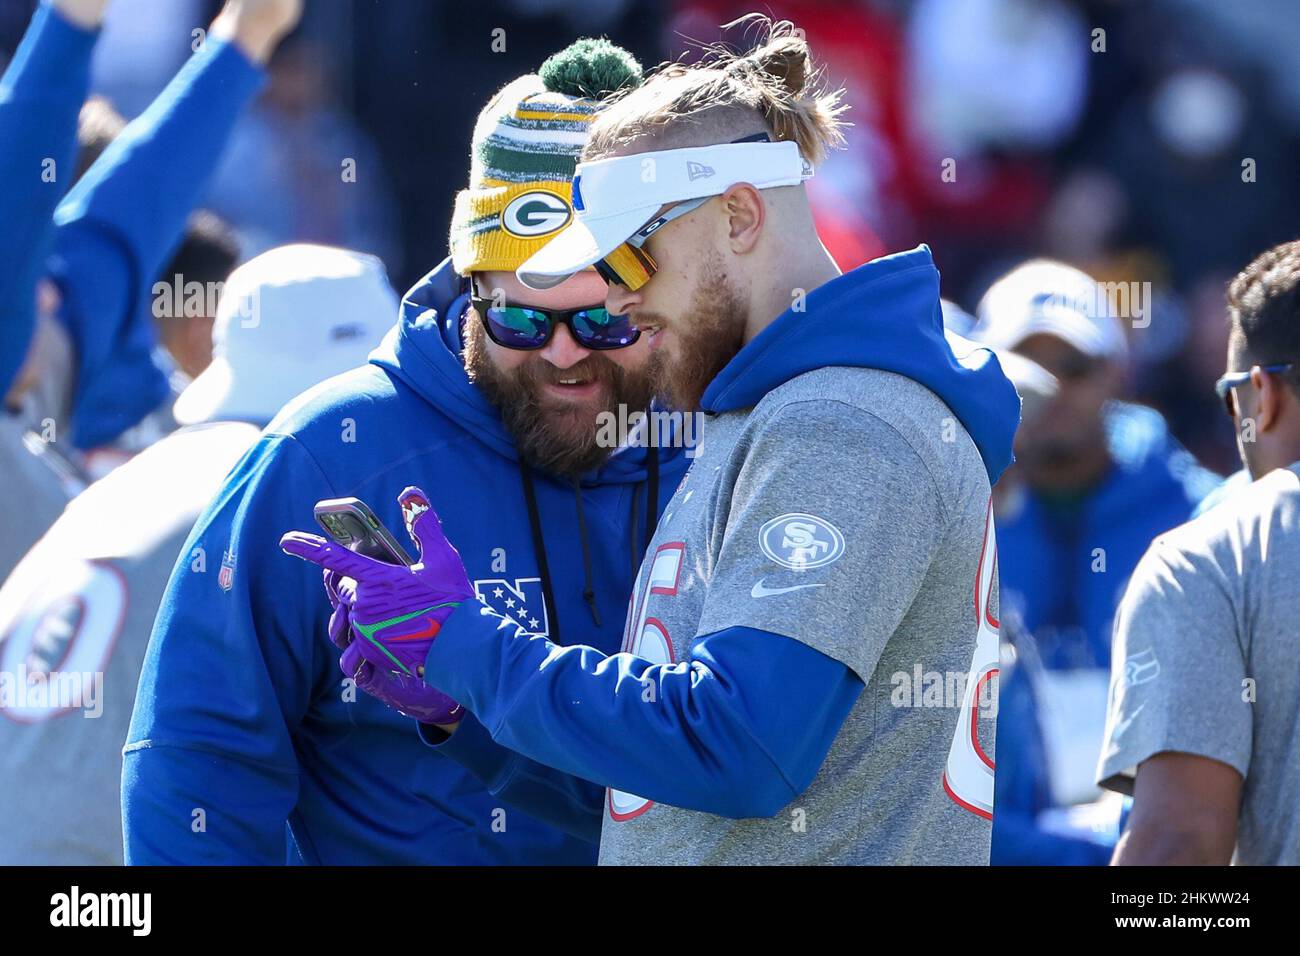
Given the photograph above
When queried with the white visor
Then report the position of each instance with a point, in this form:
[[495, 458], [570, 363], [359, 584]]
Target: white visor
[[613, 198]]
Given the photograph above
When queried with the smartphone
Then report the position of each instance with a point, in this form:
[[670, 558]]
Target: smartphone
[[351, 523]]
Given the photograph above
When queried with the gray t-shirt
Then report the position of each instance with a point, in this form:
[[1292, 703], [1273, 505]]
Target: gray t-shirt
[[1207, 640], [848, 510], [76, 615], [39, 478]]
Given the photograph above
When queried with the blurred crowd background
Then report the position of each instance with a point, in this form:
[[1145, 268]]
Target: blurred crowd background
[[1147, 142]]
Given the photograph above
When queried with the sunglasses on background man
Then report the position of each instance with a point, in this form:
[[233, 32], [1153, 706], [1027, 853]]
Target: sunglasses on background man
[[1224, 386]]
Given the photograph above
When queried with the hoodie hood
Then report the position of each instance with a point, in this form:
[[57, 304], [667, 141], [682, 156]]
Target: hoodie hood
[[884, 315], [423, 352]]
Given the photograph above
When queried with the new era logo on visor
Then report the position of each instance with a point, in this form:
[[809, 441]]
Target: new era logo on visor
[[537, 212], [696, 171]]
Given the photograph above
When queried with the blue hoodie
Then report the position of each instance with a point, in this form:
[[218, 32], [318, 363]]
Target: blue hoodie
[[1047, 551], [691, 745], [117, 227], [241, 708]]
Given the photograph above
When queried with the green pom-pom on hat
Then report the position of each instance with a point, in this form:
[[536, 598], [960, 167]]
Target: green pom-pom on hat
[[590, 68]]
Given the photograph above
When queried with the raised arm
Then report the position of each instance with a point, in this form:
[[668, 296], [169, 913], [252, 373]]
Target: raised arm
[[119, 224], [40, 96]]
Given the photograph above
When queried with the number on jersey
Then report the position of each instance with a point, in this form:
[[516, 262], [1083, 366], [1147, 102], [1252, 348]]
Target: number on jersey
[[647, 637], [968, 778]]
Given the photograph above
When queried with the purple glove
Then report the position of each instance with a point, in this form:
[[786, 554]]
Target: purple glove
[[342, 593], [406, 695], [397, 611]]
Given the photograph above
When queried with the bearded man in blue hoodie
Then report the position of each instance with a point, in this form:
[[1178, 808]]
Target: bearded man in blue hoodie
[[487, 393], [830, 544]]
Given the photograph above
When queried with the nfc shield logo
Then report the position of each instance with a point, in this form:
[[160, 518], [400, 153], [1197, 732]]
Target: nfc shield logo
[[522, 602], [537, 212], [801, 542]]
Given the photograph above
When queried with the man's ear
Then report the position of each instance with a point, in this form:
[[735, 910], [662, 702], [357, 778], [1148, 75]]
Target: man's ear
[[746, 216], [1270, 389]]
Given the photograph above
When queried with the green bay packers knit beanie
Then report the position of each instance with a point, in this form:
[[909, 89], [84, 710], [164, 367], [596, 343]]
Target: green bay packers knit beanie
[[526, 144]]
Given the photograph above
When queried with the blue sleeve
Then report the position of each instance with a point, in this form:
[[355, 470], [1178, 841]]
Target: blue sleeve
[[40, 96], [738, 729], [121, 222], [564, 801], [232, 667]]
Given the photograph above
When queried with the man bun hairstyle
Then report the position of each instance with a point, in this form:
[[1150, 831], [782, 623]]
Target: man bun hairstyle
[[727, 94]]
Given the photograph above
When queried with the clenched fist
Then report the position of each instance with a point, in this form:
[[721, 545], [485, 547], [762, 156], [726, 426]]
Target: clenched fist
[[86, 14], [257, 26]]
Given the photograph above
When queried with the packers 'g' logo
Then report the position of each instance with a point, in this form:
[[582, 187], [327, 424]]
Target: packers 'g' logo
[[537, 212]]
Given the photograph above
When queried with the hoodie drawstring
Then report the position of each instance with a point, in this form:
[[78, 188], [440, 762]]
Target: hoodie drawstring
[[539, 548], [632, 538], [588, 592], [652, 516], [652, 499], [539, 542]]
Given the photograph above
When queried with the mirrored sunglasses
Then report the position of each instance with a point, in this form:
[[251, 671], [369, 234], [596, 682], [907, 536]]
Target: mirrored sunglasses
[[527, 328]]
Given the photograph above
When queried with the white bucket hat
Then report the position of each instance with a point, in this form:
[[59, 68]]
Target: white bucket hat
[[287, 319]]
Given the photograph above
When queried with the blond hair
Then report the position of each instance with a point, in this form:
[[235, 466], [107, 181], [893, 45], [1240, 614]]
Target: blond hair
[[774, 88]]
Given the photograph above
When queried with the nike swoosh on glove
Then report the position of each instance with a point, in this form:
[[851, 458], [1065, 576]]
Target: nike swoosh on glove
[[409, 696]]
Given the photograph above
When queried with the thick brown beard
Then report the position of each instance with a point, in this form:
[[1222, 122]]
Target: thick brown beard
[[561, 440], [706, 339]]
